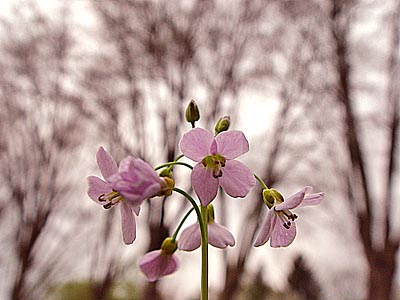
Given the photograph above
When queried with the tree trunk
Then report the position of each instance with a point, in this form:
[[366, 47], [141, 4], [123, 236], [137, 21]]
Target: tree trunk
[[381, 274]]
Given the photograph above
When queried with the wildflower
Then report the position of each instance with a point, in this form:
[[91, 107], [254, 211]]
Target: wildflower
[[101, 192], [216, 165], [158, 263], [279, 225], [136, 181], [218, 235]]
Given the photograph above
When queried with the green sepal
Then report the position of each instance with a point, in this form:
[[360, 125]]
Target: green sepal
[[272, 197], [211, 214], [169, 246]]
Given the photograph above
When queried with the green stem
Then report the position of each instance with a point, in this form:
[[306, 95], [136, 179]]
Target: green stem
[[261, 182], [204, 255], [173, 163], [181, 223], [202, 218]]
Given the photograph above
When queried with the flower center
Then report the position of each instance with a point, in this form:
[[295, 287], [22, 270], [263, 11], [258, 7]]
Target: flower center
[[286, 216], [215, 163], [110, 199]]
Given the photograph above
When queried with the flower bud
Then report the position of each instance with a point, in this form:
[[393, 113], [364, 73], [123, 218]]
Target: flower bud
[[192, 112], [169, 246], [222, 124], [270, 196]]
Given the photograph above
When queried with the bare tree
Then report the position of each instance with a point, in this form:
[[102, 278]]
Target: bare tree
[[377, 234], [40, 136]]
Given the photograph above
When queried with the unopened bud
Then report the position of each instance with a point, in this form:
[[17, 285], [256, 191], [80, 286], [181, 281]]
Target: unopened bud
[[192, 112], [271, 197], [169, 246], [222, 124]]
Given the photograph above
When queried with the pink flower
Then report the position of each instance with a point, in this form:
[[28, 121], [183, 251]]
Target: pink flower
[[136, 181], [216, 165], [158, 263], [218, 236], [101, 192], [279, 225]]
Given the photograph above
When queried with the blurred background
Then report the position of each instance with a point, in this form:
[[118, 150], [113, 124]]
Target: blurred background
[[314, 84]]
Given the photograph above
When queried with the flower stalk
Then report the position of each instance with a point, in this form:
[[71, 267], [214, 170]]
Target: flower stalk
[[204, 254], [202, 216]]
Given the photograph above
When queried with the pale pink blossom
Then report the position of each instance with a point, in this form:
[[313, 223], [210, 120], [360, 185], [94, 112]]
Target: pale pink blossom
[[279, 226], [136, 181], [158, 263], [216, 163], [101, 192], [218, 236]]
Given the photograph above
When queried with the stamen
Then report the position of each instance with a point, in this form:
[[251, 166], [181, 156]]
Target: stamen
[[217, 173], [112, 198], [101, 198], [289, 215], [107, 206], [286, 216]]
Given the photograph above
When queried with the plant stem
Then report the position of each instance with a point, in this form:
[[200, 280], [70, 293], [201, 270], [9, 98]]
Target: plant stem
[[202, 217], [204, 254], [173, 163], [261, 182], [181, 223]]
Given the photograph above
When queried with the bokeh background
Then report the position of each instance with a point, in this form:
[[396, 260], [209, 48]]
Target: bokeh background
[[314, 84]]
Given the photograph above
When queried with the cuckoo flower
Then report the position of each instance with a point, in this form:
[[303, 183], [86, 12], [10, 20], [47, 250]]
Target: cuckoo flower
[[279, 226], [216, 163], [158, 263], [218, 235], [136, 181], [101, 192]]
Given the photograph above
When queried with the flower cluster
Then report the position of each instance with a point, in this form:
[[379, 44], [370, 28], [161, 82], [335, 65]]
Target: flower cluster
[[134, 180]]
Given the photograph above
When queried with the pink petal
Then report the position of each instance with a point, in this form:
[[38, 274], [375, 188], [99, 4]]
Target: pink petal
[[204, 184], [281, 236], [97, 187], [136, 210], [106, 163], [136, 181], [149, 264], [155, 264], [308, 189], [190, 238], [265, 232], [213, 147], [219, 236], [147, 171], [237, 179], [171, 265], [313, 199], [232, 144], [151, 190], [195, 144], [293, 201], [128, 224], [125, 163]]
